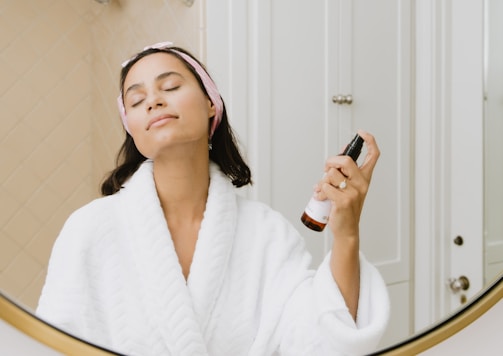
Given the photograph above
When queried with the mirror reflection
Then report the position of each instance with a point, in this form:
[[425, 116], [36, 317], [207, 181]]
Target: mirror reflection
[[58, 144], [493, 145]]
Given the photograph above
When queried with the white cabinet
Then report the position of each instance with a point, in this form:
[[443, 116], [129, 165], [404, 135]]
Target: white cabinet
[[279, 63], [449, 153]]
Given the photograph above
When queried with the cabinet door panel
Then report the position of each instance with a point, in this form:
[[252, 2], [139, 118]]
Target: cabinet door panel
[[381, 87], [298, 117], [360, 48]]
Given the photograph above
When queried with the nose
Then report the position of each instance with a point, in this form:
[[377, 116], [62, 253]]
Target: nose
[[155, 101]]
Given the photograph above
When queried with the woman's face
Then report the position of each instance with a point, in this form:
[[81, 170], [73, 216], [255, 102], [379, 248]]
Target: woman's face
[[165, 106]]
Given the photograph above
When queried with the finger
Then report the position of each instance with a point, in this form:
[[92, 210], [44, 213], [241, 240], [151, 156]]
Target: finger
[[335, 177], [372, 155], [344, 164]]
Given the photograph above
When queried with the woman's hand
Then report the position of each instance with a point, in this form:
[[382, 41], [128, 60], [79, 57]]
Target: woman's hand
[[347, 202]]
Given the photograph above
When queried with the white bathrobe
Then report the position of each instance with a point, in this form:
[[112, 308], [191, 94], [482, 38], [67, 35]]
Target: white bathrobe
[[114, 279]]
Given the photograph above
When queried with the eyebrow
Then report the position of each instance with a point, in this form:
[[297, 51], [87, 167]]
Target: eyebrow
[[157, 79]]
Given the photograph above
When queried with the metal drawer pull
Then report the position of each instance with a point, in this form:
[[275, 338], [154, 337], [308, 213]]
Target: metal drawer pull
[[342, 99]]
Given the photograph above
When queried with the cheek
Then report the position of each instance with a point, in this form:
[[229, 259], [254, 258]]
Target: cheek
[[134, 126], [200, 114], [134, 120], [195, 103]]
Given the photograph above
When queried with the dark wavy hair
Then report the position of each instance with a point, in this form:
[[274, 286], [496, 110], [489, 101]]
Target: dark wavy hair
[[225, 151]]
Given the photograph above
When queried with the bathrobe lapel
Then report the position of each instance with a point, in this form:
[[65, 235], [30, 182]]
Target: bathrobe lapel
[[165, 296], [178, 310], [213, 247]]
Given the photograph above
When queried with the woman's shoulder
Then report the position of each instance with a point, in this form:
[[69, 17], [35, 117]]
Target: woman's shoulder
[[83, 228], [96, 213], [260, 216], [257, 208], [268, 236], [96, 207]]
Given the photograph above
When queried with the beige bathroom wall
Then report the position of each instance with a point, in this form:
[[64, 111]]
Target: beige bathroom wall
[[45, 138], [59, 129]]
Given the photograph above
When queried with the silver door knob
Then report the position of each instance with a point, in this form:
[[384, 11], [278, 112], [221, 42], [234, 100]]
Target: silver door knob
[[342, 99], [459, 284]]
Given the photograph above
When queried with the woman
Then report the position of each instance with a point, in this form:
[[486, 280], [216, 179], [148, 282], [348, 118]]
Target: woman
[[172, 262]]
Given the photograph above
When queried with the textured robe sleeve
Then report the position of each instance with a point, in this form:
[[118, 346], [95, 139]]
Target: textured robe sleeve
[[313, 318], [316, 320]]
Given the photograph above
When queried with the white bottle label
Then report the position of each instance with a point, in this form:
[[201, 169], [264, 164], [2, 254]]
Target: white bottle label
[[319, 210]]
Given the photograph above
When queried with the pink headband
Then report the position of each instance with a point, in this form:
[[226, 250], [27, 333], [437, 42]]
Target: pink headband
[[208, 83]]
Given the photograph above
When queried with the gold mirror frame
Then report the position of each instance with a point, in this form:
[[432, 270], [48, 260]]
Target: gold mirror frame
[[21, 319], [61, 341], [452, 324]]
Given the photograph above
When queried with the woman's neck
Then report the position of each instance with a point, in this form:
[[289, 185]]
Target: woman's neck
[[182, 186]]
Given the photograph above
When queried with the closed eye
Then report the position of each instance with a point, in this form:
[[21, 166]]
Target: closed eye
[[172, 88], [135, 104]]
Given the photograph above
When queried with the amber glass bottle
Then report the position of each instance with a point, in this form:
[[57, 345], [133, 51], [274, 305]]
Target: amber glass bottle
[[316, 214]]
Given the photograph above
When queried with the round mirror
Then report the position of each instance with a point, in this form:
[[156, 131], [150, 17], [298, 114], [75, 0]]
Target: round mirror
[[59, 69]]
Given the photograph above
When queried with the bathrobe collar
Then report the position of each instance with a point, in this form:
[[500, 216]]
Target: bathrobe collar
[[180, 310]]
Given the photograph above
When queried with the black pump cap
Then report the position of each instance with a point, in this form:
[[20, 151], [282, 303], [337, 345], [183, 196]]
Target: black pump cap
[[354, 148]]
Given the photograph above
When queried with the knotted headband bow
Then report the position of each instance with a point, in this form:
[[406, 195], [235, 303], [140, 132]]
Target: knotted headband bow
[[208, 84]]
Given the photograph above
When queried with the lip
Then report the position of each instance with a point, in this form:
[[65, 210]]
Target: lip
[[160, 120]]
